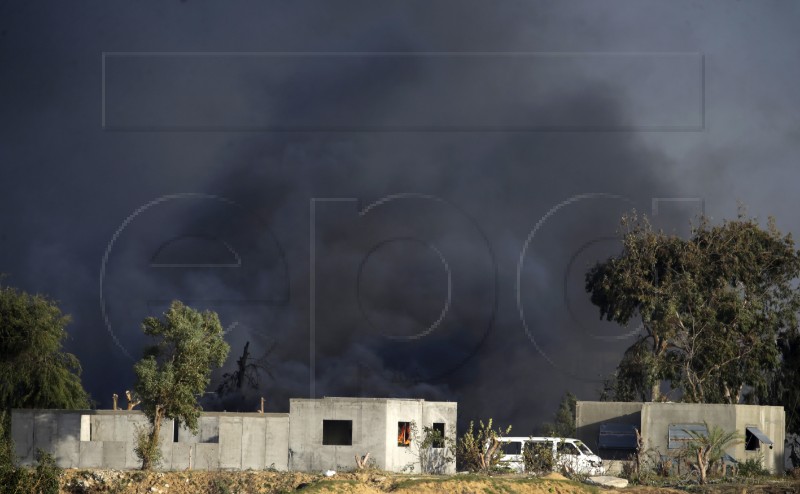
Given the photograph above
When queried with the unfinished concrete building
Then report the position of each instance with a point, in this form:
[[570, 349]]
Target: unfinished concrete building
[[608, 428], [316, 434]]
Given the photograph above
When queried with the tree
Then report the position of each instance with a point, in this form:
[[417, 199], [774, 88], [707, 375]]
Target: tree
[[34, 370], [709, 447], [563, 424], [711, 307], [248, 371], [175, 370]]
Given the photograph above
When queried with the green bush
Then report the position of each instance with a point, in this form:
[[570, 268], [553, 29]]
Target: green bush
[[752, 467], [479, 450], [538, 458], [147, 448]]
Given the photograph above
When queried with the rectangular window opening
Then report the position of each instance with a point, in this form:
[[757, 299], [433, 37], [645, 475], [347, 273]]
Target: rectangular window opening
[[755, 438], [175, 426], [337, 432], [404, 434], [511, 448], [438, 430]]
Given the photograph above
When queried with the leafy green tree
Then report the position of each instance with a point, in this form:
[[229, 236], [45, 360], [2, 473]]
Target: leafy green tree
[[177, 369], [711, 308], [563, 424], [34, 370]]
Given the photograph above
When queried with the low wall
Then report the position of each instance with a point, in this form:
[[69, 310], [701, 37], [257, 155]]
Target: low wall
[[106, 439]]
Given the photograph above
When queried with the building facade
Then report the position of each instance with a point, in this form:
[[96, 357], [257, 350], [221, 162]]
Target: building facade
[[315, 435], [608, 428]]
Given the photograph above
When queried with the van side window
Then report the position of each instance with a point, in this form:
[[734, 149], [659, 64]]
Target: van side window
[[509, 448], [567, 449]]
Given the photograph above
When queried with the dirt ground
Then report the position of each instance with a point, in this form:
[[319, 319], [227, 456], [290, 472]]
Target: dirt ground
[[263, 482]]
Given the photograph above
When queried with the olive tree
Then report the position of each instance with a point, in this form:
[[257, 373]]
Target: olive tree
[[176, 369]]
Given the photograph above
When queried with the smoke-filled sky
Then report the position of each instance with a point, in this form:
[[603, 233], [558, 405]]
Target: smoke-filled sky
[[398, 198]]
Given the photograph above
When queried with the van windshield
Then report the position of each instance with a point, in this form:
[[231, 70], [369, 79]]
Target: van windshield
[[584, 448]]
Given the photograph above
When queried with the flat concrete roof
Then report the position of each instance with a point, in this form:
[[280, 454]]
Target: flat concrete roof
[[350, 398]]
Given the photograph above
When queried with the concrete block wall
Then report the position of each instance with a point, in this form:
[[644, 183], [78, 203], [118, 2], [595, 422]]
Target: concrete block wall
[[233, 441], [446, 413], [375, 430], [590, 415], [106, 439], [772, 422], [654, 420], [306, 416]]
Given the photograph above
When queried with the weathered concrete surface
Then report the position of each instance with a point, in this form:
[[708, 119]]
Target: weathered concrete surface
[[276, 454], [375, 431], [590, 415], [22, 434], [654, 420], [230, 445], [254, 443], [234, 441], [91, 454]]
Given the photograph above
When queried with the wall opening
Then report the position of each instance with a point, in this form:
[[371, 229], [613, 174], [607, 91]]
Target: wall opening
[[438, 429], [754, 438], [337, 432], [404, 434], [175, 426]]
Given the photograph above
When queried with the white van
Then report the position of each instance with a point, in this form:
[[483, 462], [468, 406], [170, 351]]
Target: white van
[[568, 453]]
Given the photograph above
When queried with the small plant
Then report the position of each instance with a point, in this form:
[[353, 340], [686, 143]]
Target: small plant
[[46, 474], [220, 485], [708, 448], [147, 448], [752, 467]]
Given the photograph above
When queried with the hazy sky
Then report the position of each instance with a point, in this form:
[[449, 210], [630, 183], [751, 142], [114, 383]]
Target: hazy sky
[[401, 197]]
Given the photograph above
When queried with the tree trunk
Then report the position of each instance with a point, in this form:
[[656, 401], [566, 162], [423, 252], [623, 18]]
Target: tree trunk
[[147, 462], [701, 465], [655, 391]]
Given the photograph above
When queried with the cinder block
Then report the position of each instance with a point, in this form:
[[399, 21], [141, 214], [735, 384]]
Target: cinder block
[[91, 454], [230, 443], [45, 430], [114, 454], [22, 434], [66, 446], [209, 429], [182, 456], [102, 427], [165, 441], [277, 443], [206, 456], [254, 440]]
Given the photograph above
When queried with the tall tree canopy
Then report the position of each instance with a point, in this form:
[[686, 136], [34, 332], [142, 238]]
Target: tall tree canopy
[[177, 368], [713, 308], [34, 370]]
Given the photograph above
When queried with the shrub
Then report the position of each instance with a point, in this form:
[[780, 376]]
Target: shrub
[[538, 458], [479, 451], [44, 478], [146, 448], [752, 467]]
